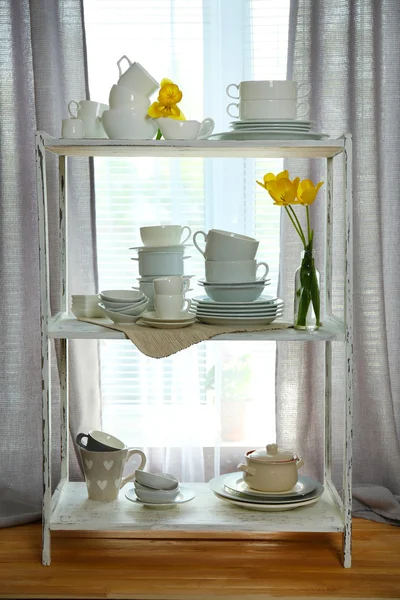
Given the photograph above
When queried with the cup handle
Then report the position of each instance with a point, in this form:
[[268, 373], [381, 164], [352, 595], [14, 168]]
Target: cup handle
[[304, 111], [207, 125], [119, 61], [302, 85], [186, 284], [71, 105], [196, 244], [79, 438], [234, 85], [188, 302], [188, 235], [142, 465], [229, 113], [262, 264]]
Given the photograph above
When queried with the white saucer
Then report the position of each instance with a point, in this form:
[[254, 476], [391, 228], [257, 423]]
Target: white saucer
[[151, 316], [160, 248], [261, 300], [235, 483], [273, 121], [254, 134], [241, 284], [212, 320], [268, 507], [185, 495]]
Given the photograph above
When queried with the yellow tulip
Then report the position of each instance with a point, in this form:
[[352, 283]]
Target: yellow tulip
[[169, 94], [272, 177], [157, 109], [307, 192]]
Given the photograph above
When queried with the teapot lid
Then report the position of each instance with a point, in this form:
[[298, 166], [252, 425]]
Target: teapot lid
[[272, 454]]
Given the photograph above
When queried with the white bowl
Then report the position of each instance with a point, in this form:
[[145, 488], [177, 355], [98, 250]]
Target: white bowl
[[157, 481], [88, 312], [131, 309], [231, 293], [152, 264], [155, 496], [119, 317], [122, 297], [128, 124]]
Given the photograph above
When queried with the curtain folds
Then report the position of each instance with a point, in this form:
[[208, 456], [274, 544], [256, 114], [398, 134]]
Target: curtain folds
[[348, 51], [42, 67]]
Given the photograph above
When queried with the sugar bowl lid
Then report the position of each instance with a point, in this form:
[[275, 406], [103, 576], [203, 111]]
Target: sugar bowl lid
[[272, 454]]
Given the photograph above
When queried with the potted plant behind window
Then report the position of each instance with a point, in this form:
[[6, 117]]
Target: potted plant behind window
[[235, 395]]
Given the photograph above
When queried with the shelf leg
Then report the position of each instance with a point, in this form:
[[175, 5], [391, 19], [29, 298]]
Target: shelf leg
[[347, 475], [45, 344], [64, 409], [328, 412]]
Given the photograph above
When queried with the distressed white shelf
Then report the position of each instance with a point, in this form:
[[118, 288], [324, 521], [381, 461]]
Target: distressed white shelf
[[66, 326], [195, 148], [206, 513]]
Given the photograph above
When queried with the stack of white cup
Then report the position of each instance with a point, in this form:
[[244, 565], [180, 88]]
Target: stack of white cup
[[169, 297], [129, 101]]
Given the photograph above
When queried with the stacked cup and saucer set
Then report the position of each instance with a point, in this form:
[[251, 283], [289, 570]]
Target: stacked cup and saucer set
[[269, 110], [268, 481]]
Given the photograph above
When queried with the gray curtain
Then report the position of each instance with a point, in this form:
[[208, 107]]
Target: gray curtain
[[349, 51], [42, 67]]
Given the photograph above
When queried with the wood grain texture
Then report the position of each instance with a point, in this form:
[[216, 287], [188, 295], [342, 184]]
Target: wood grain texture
[[286, 565]]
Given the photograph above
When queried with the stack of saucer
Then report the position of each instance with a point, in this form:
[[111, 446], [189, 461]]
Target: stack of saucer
[[158, 490], [262, 311], [233, 488]]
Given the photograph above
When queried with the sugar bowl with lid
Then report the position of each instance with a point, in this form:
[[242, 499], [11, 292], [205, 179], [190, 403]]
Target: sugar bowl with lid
[[271, 469]]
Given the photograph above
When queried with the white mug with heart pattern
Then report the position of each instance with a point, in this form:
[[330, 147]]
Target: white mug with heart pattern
[[103, 472]]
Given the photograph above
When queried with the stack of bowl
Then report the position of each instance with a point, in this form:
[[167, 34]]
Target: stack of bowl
[[156, 488], [122, 306], [162, 254], [129, 101], [85, 306]]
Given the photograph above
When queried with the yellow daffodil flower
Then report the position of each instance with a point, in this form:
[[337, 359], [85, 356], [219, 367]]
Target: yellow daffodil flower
[[307, 191]]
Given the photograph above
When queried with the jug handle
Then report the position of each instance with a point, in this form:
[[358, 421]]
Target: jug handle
[[120, 60]]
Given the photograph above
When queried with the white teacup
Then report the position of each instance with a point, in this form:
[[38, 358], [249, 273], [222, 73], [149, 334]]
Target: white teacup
[[72, 129], [123, 97], [268, 90], [226, 245], [171, 285], [164, 235], [268, 109], [170, 306], [172, 129], [238, 271], [89, 112], [136, 78]]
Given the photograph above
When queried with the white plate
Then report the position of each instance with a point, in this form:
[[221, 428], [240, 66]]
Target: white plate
[[160, 248], [268, 507], [238, 314], [243, 283], [253, 134], [152, 316], [273, 306], [162, 325], [263, 127], [212, 320], [119, 318], [263, 300], [217, 485], [151, 278], [273, 121], [185, 495], [234, 482]]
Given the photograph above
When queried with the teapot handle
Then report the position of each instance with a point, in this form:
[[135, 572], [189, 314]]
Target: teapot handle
[[246, 469], [119, 61]]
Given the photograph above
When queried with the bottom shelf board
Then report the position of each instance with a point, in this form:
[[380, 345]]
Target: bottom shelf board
[[205, 514]]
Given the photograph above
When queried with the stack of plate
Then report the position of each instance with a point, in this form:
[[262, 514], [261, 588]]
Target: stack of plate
[[270, 129], [183, 320], [259, 312], [233, 488]]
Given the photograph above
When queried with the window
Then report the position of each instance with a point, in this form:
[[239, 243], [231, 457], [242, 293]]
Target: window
[[215, 394]]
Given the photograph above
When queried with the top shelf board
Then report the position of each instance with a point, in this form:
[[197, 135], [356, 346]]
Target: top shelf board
[[194, 148]]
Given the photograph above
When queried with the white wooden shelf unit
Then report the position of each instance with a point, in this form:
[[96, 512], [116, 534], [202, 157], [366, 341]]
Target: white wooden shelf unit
[[206, 516]]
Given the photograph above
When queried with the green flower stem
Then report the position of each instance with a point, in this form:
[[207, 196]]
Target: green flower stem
[[299, 231], [159, 134], [308, 225], [299, 227], [309, 289]]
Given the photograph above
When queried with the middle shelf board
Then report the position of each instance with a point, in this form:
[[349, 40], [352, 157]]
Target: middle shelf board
[[205, 514], [65, 326]]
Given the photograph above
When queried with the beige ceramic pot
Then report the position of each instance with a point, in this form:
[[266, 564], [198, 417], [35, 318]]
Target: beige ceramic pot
[[271, 469]]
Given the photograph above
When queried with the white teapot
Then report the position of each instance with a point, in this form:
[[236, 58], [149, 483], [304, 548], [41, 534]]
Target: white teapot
[[271, 469]]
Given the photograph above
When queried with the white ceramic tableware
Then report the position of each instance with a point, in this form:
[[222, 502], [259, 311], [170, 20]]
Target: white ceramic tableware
[[271, 469], [120, 306], [155, 496], [164, 235], [170, 307], [240, 321], [172, 284], [86, 312], [173, 129], [128, 124], [127, 296], [136, 78], [116, 317], [72, 129], [262, 282], [90, 113], [99, 441], [160, 263], [234, 271], [123, 97], [133, 309], [157, 481], [268, 109], [184, 495], [232, 293], [268, 90], [226, 245], [234, 482]]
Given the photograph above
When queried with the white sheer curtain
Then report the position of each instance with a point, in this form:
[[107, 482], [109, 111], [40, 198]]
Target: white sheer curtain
[[196, 410]]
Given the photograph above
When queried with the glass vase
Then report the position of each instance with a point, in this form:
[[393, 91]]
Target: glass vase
[[307, 294]]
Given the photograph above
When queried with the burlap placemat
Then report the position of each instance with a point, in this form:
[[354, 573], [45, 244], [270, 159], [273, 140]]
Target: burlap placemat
[[159, 343]]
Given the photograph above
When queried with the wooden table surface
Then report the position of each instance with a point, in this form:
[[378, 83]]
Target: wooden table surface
[[285, 565]]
